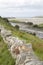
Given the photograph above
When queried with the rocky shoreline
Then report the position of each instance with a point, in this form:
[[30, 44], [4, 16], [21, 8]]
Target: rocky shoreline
[[19, 49]]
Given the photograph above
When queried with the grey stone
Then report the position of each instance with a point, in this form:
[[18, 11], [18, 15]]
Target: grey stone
[[19, 49], [20, 59]]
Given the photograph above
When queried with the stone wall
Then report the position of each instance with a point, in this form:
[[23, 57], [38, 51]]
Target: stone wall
[[19, 49]]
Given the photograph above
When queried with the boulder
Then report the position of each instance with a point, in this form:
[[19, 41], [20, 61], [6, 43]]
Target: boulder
[[5, 33]]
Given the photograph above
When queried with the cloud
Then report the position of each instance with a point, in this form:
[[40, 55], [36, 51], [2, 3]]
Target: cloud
[[21, 7], [17, 3]]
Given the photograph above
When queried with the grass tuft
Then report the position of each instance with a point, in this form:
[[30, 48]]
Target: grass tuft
[[5, 56]]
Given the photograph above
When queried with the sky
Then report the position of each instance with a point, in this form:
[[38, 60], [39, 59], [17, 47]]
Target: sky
[[21, 8]]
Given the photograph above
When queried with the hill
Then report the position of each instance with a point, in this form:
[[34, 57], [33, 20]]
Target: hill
[[37, 43]]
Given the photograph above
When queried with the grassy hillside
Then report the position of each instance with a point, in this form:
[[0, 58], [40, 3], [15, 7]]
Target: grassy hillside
[[37, 43], [5, 56]]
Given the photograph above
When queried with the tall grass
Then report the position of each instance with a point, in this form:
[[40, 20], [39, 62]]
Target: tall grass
[[5, 56]]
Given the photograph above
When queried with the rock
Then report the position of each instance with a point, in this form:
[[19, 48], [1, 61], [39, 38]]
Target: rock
[[19, 49], [5, 33], [20, 59], [16, 51], [10, 41], [1, 27], [34, 63], [25, 56]]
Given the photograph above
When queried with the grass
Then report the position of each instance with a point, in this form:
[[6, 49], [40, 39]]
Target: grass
[[15, 20], [5, 56], [40, 25], [37, 43]]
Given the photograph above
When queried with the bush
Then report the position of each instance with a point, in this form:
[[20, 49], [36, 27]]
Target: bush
[[5, 19], [34, 34], [30, 23], [17, 27], [0, 17], [35, 25]]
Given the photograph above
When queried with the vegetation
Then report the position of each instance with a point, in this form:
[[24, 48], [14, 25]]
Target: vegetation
[[5, 56], [37, 43], [15, 20], [30, 23], [40, 25], [34, 34], [17, 27], [35, 25]]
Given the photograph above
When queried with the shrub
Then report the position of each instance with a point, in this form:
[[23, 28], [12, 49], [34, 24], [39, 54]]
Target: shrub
[[5, 19], [34, 34], [17, 27], [30, 23], [35, 25], [0, 17]]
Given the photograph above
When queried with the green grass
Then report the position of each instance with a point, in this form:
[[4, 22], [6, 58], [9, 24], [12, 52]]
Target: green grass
[[15, 20], [5, 56], [37, 43], [40, 25]]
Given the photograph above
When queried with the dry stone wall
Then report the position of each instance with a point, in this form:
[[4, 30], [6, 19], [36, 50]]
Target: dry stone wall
[[19, 49]]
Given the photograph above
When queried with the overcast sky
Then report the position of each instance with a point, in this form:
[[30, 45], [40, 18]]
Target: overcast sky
[[21, 8]]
